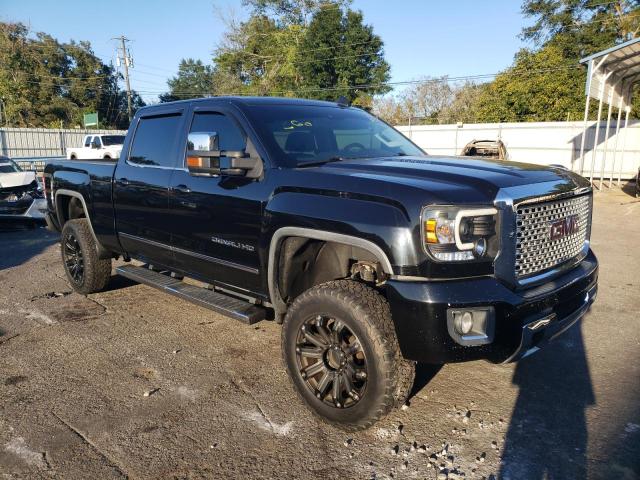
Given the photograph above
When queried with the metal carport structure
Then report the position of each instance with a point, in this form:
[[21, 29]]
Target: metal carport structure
[[611, 75]]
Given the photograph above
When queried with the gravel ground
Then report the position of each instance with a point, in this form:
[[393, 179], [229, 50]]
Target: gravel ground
[[132, 383]]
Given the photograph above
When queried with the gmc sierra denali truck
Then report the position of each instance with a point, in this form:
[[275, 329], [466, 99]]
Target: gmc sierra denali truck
[[319, 216]]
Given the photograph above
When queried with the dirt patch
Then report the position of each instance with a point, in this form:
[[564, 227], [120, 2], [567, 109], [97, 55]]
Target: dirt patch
[[15, 380], [76, 313], [49, 295], [145, 373]]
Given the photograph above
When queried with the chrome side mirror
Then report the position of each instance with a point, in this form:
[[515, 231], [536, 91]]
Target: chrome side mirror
[[203, 142], [204, 158]]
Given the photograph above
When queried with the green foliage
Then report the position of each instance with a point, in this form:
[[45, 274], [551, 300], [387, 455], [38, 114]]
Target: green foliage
[[340, 56], [44, 83], [581, 27], [312, 48], [541, 86], [547, 83], [292, 12], [193, 79], [257, 58]]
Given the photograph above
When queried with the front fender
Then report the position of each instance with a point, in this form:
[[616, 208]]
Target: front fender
[[381, 228], [384, 224]]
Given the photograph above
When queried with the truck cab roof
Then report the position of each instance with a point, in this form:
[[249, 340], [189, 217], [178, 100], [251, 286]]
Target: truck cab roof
[[246, 100]]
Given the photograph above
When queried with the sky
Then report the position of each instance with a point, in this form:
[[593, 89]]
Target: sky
[[421, 37]]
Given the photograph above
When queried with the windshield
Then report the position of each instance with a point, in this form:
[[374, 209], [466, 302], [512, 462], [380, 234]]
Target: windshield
[[301, 134], [8, 166], [112, 140]]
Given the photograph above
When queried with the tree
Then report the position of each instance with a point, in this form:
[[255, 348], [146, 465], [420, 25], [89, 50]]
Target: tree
[[463, 107], [425, 100], [292, 12], [194, 79], [257, 58], [389, 109], [341, 56], [45, 83], [541, 86], [581, 26], [547, 83], [311, 48]]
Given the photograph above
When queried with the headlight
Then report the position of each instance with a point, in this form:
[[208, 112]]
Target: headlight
[[457, 234]]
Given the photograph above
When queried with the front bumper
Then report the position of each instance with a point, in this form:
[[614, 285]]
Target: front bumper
[[35, 211], [525, 320]]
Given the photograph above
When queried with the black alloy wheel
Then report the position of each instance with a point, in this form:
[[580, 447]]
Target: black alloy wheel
[[331, 361], [340, 349], [73, 257], [86, 272]]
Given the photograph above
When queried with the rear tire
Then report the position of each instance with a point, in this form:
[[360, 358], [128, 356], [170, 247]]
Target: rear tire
[[85, 271], [72, 156], [343, 330]]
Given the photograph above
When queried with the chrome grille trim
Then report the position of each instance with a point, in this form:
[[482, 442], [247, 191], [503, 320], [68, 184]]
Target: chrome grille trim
[[535, 251]]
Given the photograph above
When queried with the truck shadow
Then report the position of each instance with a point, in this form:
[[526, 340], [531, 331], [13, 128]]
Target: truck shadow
[[424, 374], [547, 436], [19, 244], [118, 282]]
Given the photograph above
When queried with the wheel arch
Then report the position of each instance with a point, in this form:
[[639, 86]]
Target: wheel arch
[[68, 201], [283, 233]]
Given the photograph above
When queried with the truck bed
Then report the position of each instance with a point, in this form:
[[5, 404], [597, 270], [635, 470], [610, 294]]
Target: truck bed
[[90, 179]]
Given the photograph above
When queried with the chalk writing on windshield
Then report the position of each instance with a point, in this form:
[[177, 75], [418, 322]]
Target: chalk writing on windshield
[[292, 124]]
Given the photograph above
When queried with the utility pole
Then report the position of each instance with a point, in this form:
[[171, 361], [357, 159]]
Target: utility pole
[[125, 58]]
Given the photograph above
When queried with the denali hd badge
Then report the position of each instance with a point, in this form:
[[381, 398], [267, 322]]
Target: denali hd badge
[[563, 227], [231, 243]]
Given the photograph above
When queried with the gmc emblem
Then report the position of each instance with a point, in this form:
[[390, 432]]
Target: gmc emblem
[[563, 227]]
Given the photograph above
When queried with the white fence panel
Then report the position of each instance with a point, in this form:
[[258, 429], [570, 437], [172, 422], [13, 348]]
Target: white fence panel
[[43, 142], [542, 143]]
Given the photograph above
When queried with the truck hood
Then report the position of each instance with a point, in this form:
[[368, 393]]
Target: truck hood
[[16, 179], [451, 178]]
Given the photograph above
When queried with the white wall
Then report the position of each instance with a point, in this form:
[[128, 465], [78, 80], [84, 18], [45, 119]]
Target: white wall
[[538, 142]]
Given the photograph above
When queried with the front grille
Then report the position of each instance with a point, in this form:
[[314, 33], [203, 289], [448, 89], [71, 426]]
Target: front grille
[[535, 249]]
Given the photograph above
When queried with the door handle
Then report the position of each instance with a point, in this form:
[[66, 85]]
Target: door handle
[[123, 181], [182, 188]]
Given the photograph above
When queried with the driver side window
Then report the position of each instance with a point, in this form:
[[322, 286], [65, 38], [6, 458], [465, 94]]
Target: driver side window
[[230, 136], [87, 141]]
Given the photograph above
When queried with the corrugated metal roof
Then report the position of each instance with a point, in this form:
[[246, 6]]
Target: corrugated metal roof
[[613, 72]]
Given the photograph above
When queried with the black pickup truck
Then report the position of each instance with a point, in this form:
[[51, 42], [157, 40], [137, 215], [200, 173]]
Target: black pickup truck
[[321, 217]]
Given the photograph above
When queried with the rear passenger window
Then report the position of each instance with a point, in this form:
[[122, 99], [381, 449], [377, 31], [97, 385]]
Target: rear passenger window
[[230, 137], [154, 141]]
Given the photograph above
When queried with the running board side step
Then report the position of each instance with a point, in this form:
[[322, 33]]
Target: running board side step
[[218, 302]]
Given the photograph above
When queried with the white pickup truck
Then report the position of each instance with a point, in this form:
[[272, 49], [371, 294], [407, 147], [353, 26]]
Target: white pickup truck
[[98, 146]]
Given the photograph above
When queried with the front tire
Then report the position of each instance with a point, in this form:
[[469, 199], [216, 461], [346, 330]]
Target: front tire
[[341, 351], [85, 271]]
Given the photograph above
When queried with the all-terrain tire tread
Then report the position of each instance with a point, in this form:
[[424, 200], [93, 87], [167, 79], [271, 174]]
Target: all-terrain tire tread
[[399, 373], [97, 271]]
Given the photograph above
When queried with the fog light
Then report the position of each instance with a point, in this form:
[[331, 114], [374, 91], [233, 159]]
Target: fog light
[[471, 326], [464, 323]]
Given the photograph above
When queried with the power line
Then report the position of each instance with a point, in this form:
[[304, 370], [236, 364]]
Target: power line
[[372, 85]]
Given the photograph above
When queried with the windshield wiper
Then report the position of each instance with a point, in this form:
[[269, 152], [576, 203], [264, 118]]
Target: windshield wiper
[[320, 162]]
